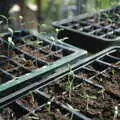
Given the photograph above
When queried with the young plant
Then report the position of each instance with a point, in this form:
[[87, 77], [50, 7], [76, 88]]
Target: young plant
[[5, 18], [49, 104], [70, 81], [73, 111], [10, 41], [102, 91], [116, 112], [88, 99], [37, 42]]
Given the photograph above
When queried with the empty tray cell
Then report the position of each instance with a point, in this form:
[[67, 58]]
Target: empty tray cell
[[116, 54], [50, 48], [77, 26], [21, 34], [31, 101], [35, 41], [50, 58], [92, 20], [86, 98], [115, 26], [109, 59], [8, 65], [27, 49], [97, 66], [106, 30], [111, 36], [18, 42], [4, 78], [17, 72], [117, 33], [84, 73], [62, 53], [16, 34], [51, 112], [15, 42], [98, 33], [84, 24], [110, 79], [66, 24], [88, 29], [27, 61], [12, 112], [39, 54]]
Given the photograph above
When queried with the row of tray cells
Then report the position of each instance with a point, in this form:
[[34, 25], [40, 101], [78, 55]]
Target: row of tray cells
[[35, 106]]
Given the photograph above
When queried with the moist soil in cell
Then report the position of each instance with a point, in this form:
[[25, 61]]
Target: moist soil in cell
[[31, 101], [51, 112], [19, 71], [93, 102], [110, 79]]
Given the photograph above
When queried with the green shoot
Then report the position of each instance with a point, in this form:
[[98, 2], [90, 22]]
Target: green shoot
[[5, 18], [49, 104], [73, 111], [113, 72], [102, 92], [115, 113], [10, 41], [70, 81], [88, 99]]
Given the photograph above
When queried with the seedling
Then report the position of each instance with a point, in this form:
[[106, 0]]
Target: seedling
[[5, 18], [73, 111], [88, 99], [70, 79], [102, 92], [116, 112], [49, 104], [10, 41]]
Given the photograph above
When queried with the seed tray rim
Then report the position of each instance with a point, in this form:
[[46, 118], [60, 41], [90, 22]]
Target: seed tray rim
[[44, 70], [59, 23]]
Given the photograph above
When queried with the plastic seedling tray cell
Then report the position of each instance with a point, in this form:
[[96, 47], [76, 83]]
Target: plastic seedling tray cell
[[35, 106], [86, 98], [12, 112], [4, 77], [92, 32], [31, 101], [51, 112], [16, 37], [92, 88], [30, 65]]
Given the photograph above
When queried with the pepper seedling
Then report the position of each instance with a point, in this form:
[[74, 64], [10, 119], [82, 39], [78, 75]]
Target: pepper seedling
[[115, 113], [70, 80], [49, 104], [73, 111]]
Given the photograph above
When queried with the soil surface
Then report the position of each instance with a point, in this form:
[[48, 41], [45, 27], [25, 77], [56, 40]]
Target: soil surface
[[93, 102]]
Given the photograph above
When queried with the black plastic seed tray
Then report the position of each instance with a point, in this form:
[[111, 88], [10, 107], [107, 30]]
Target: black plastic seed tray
[[92, 89], [35, 106], [92, 32], [28, 60]]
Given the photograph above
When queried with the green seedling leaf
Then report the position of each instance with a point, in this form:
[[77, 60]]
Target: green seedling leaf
[[10, 41], [1, 22], [33, 117], [4, 17], [21, 17], [2, 56], [75, 110], [113, 72], [116, 112], [11, 31]]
